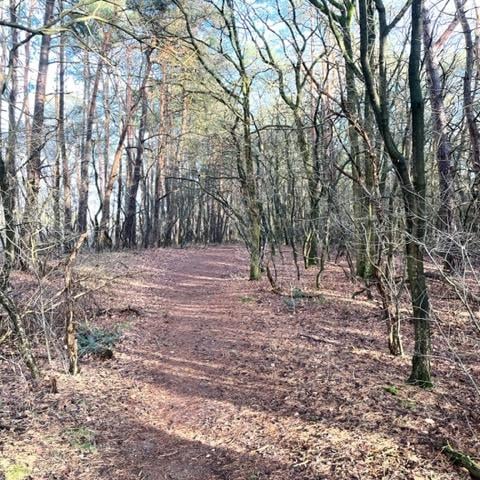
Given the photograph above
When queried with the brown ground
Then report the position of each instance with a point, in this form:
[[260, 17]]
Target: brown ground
[[214, 380]]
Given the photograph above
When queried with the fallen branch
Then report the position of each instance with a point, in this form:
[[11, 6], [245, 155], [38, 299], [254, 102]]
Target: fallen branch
[[5, 336], [463, 460], [315, 338], [169, 454], [110, 311]]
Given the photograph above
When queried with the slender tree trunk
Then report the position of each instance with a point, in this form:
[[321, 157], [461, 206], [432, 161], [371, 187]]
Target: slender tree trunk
[[446, 220], [413, 190], [106, 126], [161, 159], [87, 152], [67, 188], [34, 165], [8, 184], [313, 180], [71, 323], [25, 109], [421, 373], [370, 172], [251, 196], [129, 229], [103, 237], [57, 173], [118, 215], [249, 185], [362, 238], [469, 103]]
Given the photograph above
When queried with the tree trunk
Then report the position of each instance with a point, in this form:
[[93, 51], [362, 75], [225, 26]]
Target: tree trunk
[[67, 188], [71, 324], [129, 229], [8, 189], [446, 221], [413, 191], [361, 212], [87, 150], [468, 100], [103, 237], [161, 159], [34, 165], [421, 373]]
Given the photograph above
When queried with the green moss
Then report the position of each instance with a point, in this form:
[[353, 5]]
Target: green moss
[[298, 293], [96, 341], [15, 471], [391, 389]]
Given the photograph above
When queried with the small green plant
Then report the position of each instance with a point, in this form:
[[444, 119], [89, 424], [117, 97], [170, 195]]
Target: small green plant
[[408, 404], [17, 472], [246, 299], [82, 438], [298, 293], [392, 389], [96, 341], [290, 303]]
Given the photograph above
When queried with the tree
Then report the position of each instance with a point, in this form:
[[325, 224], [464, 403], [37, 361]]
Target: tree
[[129, 228], [446, 218], [238, 100], [36, 143], [412, 184]]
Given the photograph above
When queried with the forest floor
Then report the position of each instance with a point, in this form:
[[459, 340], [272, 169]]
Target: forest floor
[[216, 377]]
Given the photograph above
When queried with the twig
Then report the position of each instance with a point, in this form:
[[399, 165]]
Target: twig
[[315, 338], [170, 454]]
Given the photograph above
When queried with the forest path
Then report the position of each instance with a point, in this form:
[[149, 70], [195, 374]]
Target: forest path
[[206, 400], [216, 380]]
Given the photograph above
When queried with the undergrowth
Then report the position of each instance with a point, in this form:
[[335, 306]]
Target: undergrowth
[[96, 341]]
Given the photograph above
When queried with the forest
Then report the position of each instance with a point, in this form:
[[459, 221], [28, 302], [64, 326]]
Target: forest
[[239, 239]]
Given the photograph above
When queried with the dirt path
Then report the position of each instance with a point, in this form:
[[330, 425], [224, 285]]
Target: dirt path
[[224, 386], [207, 401], [214, 380]]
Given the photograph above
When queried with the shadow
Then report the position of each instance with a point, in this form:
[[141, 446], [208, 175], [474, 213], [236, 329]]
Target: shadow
[[221, 377], [148, 453], [214, 380]]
